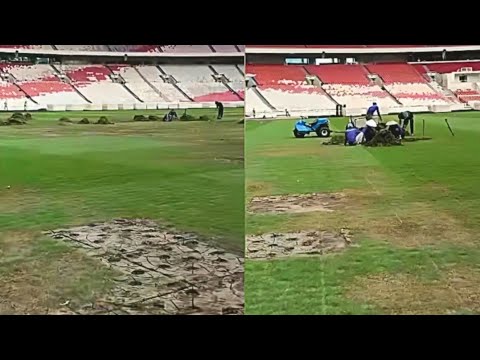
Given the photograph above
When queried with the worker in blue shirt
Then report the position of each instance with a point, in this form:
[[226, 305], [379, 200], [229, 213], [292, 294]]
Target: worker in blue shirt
[[355, 136], [372, 110]]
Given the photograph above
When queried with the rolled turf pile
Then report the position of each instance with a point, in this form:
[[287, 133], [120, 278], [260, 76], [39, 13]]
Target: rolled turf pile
[[104, 121], [15, 119], [383, 137]]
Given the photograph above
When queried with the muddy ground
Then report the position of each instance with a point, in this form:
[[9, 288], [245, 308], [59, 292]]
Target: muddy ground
[[296, 203], [272, 245], [160, 271]]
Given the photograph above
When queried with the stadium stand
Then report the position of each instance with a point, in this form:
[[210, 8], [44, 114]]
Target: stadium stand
[[83, 47], [254, 103], [407, 85], [138, 84], [80, 83], [235, 78], [135, 48], [446, 67], [340, 74], [94, 82], [395, 86], [43, 47], [284, 87], [169, 92], [41, 83], [198, 83], [12, 97], [349, 85]]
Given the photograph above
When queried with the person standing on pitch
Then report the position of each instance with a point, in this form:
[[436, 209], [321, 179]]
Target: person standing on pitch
[[372, 110], [405, 118], [220, 109]]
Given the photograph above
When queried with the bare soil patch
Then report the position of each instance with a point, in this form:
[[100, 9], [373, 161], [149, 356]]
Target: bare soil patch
[[300, 203], [273, 245], [456, 291], [162, 271]]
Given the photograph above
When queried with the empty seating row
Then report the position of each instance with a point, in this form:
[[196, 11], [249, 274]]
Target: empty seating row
[[340, 74], [199, 83], [417, 94], [135, 48], [396, 73], [299, 97], [267, 75], [359, 96]]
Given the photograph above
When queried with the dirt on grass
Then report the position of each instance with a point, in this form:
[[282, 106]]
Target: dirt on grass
[[17, 199], [421, 224], [456, 291], [301, 203], [162, 271], [273, 245], [44, 285], [255, 188], [373, 215]]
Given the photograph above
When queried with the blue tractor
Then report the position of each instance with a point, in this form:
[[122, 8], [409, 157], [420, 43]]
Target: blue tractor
[[320, 126]]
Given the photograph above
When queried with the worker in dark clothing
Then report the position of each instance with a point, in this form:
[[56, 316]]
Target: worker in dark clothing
[[220, 109], [170, 116], [173, 114], [395, 129], [369, 130], [405, 118], [372, 110]]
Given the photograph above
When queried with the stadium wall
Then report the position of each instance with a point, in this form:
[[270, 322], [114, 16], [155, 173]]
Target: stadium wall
[[331, 112]]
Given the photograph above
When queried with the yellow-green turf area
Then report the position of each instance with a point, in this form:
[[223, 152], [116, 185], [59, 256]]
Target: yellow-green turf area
[[414, 213], [186, 174]]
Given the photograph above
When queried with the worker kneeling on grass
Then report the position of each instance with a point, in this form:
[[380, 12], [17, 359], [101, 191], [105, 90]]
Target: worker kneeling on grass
[[355, 136], [395, 129]]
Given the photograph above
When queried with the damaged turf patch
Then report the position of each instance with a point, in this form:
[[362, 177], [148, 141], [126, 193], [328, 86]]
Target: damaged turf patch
[[295, 244], [456, 291], [163, 271], [296, 203], [17, 199]]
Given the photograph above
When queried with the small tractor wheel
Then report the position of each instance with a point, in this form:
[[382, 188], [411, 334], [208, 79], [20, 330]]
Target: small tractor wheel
[[298, 134], [323, 132]]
